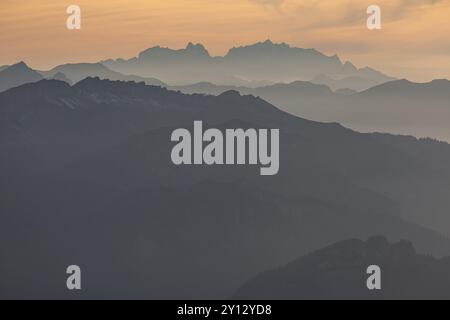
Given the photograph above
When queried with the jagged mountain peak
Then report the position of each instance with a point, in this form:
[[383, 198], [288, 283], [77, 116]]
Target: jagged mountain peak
[[261, 61], [197, 49]]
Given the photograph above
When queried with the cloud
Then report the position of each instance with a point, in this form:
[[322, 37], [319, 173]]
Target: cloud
[[325, 14], [401, 8], [274, 3]]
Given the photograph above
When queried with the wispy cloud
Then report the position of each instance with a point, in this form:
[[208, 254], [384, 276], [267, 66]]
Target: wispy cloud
[[268, 2], [38, 34], [326, 13]]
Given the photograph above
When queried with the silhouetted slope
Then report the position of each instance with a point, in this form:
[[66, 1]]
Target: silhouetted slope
[[438, 89], [16, 75], [356, 83], [79, 71], [93, 163], [339, 272], [61, 77], [297, 89], [398, 107]]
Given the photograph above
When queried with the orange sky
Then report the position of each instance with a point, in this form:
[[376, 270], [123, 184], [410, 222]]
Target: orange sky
[[414, 41]]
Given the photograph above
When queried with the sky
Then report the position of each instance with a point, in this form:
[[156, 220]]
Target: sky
[[413, 43]]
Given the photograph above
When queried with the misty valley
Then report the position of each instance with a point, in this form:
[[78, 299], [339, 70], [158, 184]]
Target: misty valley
[[270, 172]]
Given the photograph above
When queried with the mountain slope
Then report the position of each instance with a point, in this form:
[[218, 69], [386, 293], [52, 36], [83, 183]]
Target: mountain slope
[[79, 71], [300, 89], [16, 75], [438, 89], [338, 271], [61, 77], [357, 83], [397, 107]]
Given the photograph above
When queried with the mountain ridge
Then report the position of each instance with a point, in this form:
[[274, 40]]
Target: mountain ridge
[[97, 154], [287, 64], [17, 74]]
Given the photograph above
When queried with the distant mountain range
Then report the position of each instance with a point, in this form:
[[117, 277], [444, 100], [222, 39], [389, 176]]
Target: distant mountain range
[[92, 162], [399, 106], [262, 61], [79, 71], [338, 271], [19, 74], [256, 65], [355, 83], [301, 89], [87, 178]]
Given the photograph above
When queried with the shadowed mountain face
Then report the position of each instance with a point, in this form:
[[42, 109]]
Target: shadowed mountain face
[[87, 178], [339, 272], [399, 107], [16, 75], [260, 61]]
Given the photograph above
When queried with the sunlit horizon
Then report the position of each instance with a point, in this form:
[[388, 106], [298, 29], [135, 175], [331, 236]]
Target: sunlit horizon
[[413, 42]]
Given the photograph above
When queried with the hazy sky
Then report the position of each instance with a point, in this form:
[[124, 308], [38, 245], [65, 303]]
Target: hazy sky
[[414, 41]]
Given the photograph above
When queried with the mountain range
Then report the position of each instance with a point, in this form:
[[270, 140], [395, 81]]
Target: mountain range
[[79, 71], [255, 65], [399, 106], [362, 99], [87, 178], [396, 106], [355, 83], [262, 61]]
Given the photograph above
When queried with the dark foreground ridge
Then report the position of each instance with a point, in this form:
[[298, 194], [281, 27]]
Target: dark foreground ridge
[[87, 179]]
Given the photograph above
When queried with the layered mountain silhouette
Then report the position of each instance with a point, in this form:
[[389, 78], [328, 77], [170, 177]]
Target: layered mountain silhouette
[[299, 89], [62, 77], [79, 71], [400, 106], [338, 271], [16, 75], [356, 83], [87, 178], [404, 89], [265, 69], [257, 62]]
